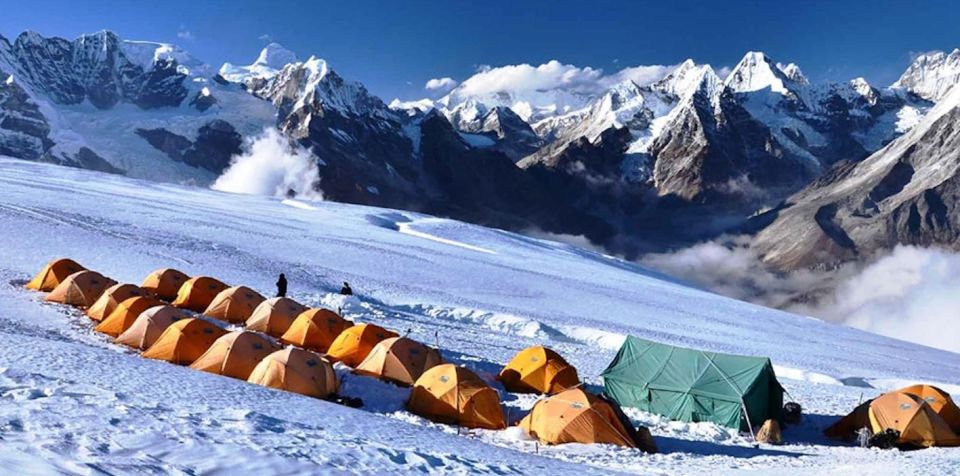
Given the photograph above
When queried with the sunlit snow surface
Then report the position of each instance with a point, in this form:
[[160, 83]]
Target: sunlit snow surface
[[73, 402]]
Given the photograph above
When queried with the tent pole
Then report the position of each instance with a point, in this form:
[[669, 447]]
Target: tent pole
[[457, 383], [746, 415]]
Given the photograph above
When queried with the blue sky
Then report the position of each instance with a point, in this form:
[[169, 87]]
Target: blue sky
[[394, 47]]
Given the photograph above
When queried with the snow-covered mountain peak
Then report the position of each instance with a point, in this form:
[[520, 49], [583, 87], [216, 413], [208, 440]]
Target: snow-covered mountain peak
[[29, 37], [756, 72], [792, 71], [412, 108], [275, 56], [864, 89], [269, 62], [931, 75], [312, 84], [149, 53], [703, 80], [683, 79]]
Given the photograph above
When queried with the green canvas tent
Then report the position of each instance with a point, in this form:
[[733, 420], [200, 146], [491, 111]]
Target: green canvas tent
[[693, 385]]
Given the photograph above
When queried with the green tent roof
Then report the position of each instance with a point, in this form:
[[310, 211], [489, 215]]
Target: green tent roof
[[694, 385]]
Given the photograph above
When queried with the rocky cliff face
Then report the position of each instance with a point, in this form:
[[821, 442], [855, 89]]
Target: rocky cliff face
[[906, 193], [24, 131], [94, 68]]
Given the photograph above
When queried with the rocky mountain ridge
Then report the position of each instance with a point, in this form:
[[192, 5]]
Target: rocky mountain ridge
[[632, 166]]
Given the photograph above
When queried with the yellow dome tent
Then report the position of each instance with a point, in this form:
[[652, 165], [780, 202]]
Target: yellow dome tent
[[53, 273], [125, 314], [234, 304], [399, 360], [184, 341], [315, 329], [538, 370], [576, 416], [296, 370], [196, 293], [80, 289], [235, 354], [111, 298], [450, 394], [164, 283], [275, 315], [149, 326], [353, 344]]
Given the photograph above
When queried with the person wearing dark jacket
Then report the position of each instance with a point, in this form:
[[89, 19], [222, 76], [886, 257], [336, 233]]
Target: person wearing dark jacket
[[345, 290], [282, 286]]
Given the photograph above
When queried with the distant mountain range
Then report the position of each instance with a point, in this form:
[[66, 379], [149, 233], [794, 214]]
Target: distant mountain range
[[829, 171]]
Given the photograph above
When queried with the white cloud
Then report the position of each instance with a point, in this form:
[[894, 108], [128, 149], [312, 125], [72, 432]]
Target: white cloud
[[526, 78], [909, 294], [272, 166], [724, 71], [729, 267], [184, 34], [265, 37], [440, 85]]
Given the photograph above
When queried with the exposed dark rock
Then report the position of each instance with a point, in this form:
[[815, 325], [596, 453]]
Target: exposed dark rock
[[216, 143]]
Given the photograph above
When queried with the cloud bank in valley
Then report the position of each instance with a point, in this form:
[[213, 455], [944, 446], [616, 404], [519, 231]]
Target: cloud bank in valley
[[909, 294], [271, 165]]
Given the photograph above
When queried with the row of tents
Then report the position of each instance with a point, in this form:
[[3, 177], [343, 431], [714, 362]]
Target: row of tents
[[153, 318], [682, 384]]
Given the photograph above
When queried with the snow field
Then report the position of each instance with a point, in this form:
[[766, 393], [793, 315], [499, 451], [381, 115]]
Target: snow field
[[74, 402]]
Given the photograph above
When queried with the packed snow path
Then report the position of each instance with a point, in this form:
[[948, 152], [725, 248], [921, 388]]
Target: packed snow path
[[71, 401]]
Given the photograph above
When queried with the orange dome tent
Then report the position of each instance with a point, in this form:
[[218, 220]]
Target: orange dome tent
[[125, 314], [399, 360], [149, 326], [80, 289], [235, 354], [164, 283], [353, 344], [53, 273], [197, 293], [912, 416], [275, 315], [576, 416], [315, 329], [234, 304], [538, 370], [918, 424], [296, 370], [447, 393], [846, 428], [184, 341], [111, 298], [940, 401]]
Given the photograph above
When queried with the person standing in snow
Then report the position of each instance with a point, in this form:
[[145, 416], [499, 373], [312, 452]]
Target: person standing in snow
[[282, 286], [345, 290]]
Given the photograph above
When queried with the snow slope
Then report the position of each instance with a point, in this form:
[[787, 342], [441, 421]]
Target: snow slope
[[73, 402]]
